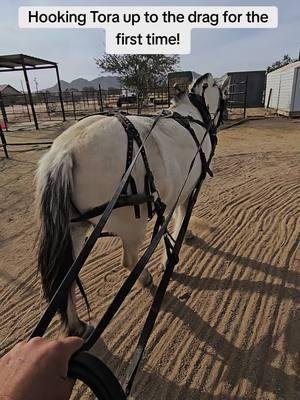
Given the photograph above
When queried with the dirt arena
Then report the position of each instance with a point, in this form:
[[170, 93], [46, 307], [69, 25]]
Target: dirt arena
[[229, 328]]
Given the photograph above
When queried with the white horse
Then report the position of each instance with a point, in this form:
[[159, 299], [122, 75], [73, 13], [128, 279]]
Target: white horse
[[84, 167]]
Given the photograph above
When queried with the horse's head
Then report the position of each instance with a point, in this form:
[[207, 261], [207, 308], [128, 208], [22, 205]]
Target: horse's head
[[208, 96]]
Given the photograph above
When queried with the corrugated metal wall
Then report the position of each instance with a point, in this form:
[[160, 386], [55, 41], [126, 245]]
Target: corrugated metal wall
[[285, 86], [296, 93], [281, 84]]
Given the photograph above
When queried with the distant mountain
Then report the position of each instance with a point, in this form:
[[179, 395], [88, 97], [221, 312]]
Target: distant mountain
[[105, 82]]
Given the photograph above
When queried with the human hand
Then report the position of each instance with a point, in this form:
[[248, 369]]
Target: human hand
[[38, 370]]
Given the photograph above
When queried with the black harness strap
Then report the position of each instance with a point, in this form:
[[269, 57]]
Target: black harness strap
[[130, 130], [199, 102], [185, 122], [150, 189], [123, 201]]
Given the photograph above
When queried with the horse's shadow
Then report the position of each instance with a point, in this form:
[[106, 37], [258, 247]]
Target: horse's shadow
[[254, 364], [282, 273]]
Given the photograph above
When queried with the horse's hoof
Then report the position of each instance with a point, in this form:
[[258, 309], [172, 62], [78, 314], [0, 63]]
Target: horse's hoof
[[149, 281], [146, 279], [189, 236], [87, 331], [83, 331]]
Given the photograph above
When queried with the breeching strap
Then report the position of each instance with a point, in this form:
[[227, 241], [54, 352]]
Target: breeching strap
[[133, 135]]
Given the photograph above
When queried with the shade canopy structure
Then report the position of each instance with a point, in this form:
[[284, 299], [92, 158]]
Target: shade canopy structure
[[22, 62]]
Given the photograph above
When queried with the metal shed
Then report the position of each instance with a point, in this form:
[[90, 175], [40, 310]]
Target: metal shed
[[256, 82], [283, 90]]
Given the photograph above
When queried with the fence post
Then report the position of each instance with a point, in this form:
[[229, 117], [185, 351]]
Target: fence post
[[3, 140], [245, 96], [60, 93], [30, 96], [139, 110], [100, 97], [26, 103], [94, 99], [47, 105], [74, 109], [3, 111]]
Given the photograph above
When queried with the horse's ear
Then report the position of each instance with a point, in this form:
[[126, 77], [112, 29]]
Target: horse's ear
[[225, 86], [178, 90], [199, 84]]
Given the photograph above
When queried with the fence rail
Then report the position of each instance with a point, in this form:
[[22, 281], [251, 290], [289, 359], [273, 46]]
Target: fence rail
[[237, 99], [15, 108]]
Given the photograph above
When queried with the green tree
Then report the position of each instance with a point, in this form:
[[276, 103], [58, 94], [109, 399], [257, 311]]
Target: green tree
[[139, 72], [281, 63]]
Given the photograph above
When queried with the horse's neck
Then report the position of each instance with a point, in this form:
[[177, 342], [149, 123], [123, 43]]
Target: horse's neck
[[185, 107]]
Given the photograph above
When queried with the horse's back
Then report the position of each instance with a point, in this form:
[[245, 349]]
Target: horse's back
[[98, 146]]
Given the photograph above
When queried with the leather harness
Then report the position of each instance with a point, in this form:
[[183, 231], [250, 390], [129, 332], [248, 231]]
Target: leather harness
[[119, 199], [151, 195]]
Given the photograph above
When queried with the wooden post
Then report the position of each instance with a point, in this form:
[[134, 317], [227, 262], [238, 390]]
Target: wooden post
[[269, 98]]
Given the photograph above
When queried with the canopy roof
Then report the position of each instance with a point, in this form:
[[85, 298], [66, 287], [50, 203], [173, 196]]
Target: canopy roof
[[22, 62], [15, 62]]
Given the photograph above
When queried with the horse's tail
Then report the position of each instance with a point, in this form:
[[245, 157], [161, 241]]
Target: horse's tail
[[53, 198]]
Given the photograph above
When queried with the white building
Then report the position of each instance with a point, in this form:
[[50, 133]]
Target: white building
[[283, 90]]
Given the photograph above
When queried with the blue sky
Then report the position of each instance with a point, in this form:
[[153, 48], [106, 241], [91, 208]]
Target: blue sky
[[217, 51]]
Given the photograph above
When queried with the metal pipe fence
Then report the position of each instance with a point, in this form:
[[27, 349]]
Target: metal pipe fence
[[15, 109], [237, 100]]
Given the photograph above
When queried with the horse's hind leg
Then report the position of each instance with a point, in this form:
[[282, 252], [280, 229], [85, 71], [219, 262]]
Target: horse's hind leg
[[131, 245], [179, 217], [76, 327]]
